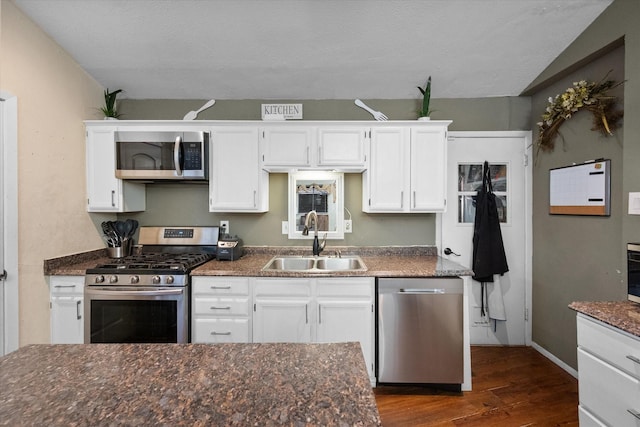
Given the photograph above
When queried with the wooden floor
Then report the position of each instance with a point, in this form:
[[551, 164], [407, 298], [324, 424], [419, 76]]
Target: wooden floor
[[512, 386]]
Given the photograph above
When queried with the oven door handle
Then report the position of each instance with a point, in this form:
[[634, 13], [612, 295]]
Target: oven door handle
[[155, 292]]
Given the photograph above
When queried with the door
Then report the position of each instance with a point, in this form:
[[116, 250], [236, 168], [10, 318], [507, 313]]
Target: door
[[8, 222], [507, 153], [236, 179], [428, 160], [347, 321], [386, 180], [282, 320]]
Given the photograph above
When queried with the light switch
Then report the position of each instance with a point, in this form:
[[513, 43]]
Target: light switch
[[634, 203], [285, 227]]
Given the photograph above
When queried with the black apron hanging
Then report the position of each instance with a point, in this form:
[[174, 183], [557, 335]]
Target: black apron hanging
[[488, 249]]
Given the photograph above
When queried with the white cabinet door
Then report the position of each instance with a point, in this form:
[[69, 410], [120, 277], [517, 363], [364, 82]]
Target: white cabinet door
[[282, 320], [106, 193], [287, 147], [347, 321], [342, 147], [67, 311], [428, 169], [236, 181], [67, 324], [345, 314], [386, 180], [282, 310]]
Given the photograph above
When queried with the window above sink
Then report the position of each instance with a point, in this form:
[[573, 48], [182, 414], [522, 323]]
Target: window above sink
[[319, 191]]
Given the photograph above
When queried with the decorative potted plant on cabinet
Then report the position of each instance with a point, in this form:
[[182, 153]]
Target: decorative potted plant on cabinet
[[109, 110], [424, 112]]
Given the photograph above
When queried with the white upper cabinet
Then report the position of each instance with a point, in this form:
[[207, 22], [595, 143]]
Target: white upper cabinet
[[406, 171], [428, 169], [287, 147], [300, 146], [105, 192], [237, 183], [385, 182], [342, 147]]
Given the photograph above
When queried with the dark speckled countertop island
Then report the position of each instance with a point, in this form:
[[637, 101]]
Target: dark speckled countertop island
[[624, 315], [187, 384]]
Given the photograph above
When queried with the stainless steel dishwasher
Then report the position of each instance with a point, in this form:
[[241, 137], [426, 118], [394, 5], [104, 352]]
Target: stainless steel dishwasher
[[420, 331]]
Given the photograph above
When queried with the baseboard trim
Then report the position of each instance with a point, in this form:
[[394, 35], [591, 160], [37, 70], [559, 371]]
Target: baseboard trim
[[554, 359]]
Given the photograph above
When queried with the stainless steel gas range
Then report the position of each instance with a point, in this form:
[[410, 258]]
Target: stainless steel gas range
[[144, 298]]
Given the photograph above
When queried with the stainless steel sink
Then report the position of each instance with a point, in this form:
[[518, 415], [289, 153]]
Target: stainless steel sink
[[339, 264], [315, 264], [290, 264]]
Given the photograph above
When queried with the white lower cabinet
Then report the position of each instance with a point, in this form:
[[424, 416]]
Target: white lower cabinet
[[346, 314], [609, 375], [220, 310], [66, 303], [316, 310], [281, 310]]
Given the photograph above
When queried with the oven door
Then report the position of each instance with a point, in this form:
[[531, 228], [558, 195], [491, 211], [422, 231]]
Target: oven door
[[161, 155], [127, 314]]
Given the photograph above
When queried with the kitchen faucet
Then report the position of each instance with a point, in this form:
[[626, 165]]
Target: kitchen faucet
[[317, 247]]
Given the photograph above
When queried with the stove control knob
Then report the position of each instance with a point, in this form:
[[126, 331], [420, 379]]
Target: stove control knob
[[169, 280], [113, 279], [155, 280], [99, 279], [135, 279]]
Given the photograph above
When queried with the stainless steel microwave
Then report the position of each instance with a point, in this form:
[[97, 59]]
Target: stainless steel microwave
[[162, 155], [633, 271]]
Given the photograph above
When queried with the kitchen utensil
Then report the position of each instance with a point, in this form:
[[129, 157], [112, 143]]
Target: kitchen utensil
[[192, 114], [376, 114]]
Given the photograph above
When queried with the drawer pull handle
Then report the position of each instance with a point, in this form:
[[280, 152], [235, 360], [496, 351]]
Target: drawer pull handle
[[220, 308], [64, 286], [633, 359], [220, 287], [634, 413], [220, 333]]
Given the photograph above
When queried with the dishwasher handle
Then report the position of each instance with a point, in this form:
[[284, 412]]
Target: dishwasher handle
[[422, 291]]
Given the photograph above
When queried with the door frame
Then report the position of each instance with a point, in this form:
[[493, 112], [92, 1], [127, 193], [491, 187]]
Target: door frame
[[9, 194], [528, 212]]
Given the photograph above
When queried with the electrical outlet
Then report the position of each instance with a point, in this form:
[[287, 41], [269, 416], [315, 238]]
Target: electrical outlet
[[285, 227], [224, 226], [348, 226]]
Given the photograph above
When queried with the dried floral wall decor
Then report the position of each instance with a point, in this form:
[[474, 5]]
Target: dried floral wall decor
[[591, 96]]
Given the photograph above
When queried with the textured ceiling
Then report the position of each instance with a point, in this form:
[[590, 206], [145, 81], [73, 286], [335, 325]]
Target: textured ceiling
[[313, 49]]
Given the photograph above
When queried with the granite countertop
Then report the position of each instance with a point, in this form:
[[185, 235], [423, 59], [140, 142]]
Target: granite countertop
[[380, 262], [187, 384], [624, 315]]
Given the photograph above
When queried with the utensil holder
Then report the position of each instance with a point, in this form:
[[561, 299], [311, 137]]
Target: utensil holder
[[120, 251]]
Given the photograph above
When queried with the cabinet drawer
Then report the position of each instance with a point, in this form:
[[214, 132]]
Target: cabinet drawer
[[346, 287], [221, 330], [607, 392], [282, 287], [221, 306], [220, 286], [586, 419], [64, 285], [620, 350]]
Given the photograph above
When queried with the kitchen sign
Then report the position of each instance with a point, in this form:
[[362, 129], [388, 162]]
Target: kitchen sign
[[281, 111]]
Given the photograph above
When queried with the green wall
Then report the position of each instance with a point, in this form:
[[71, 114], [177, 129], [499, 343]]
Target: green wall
[[583, 258], [180, 204]]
